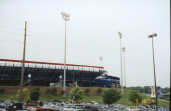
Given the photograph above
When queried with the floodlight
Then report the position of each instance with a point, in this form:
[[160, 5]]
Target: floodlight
[[154, 35], [67, 15], [150, 36], [120, 35], [29, 75], [67, 19], [123, 48]]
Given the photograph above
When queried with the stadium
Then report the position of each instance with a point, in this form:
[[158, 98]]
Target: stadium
[[51, 74]]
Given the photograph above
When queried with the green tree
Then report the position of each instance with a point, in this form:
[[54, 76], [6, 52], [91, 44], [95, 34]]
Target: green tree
[[165, 90], [25, 93], [77, 92], [99, 90], [47, 90], [147, 89], [138, 88], [34, 95], [135, 97], [111, 96], [149, 92], [87, 90], [54, 90], [62, 92]]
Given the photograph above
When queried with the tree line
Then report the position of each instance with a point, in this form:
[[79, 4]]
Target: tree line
[[147, 89]]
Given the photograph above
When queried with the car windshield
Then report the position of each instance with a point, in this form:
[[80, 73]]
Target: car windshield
[[79, 107], [2, 106], [32, 104]]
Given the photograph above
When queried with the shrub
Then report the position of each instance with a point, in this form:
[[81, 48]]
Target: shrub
[[2, 90], [54, 90], [99, 90], [47, 90], [62, 92], [25, 93], [135, 97], [87, 90], [111, 96], [34, 95]]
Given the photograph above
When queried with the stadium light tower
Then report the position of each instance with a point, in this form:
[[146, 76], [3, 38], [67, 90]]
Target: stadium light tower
[[123, 48], [66, 17], [151, 36], [120, 35]]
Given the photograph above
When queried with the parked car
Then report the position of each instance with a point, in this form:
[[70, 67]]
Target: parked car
[[2, 108], [112, 109], [31, 105], [101, 108], [42, 109], [15, 106], [90, 108]]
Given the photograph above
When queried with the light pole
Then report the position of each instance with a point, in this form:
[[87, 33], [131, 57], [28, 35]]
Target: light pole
[[66, 17], [151, 36], [120, 35], [73, 88], [123, 48]]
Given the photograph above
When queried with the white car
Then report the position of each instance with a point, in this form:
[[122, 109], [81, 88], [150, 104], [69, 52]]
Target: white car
[[2, 107]]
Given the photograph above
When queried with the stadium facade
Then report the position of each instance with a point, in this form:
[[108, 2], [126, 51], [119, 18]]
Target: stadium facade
[[51, 74]]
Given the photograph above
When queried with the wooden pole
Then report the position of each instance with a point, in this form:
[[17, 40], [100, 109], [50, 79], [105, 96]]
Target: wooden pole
[[22, 71]]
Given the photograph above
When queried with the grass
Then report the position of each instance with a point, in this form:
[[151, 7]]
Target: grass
[[124, 100], [87, 98], [8, 97]]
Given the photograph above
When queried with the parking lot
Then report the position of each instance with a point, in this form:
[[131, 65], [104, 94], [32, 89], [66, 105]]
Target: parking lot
[[57, 105]]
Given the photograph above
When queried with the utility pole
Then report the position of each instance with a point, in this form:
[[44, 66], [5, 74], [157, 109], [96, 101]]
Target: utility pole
[[22, 71]]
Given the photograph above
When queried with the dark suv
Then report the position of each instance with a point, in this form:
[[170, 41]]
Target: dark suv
[[90, 108]]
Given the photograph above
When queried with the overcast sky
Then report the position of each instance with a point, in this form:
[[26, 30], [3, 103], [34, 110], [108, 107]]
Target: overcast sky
[[91, 32]]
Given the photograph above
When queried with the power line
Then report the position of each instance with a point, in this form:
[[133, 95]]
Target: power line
[[11, 27], [71, 46], [12, 32], [11, 41]]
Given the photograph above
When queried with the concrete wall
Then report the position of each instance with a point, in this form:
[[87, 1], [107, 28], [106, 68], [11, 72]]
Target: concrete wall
[[14, 89]]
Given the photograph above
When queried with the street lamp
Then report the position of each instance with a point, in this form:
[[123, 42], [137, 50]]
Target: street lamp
[[123, 48], [151, 36], [29, 78], [66, 17], [120, 35]]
